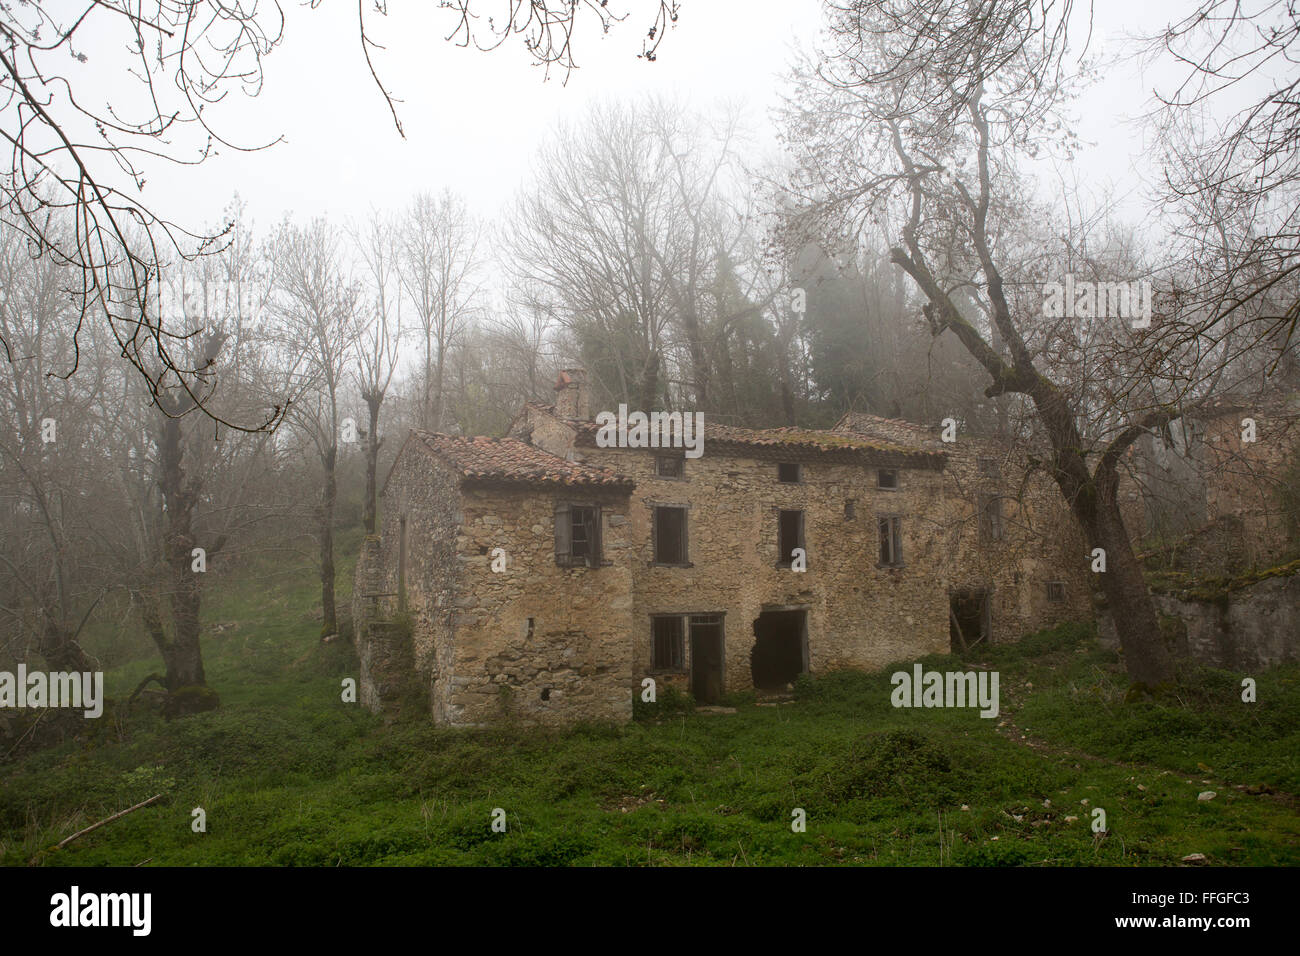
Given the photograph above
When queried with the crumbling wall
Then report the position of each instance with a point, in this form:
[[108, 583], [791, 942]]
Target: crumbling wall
[[1242, 628]]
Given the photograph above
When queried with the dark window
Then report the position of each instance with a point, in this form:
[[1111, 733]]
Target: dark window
[[668, 643], [789, 536], [990, 514], [989, 467], [670, 535], [850, 509], [887, 478], [668, 466], [891, 540], [577, 535], [787, 472], [1056, 592]]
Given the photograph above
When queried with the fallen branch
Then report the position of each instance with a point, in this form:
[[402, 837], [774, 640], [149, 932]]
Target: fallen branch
[[95, 826]]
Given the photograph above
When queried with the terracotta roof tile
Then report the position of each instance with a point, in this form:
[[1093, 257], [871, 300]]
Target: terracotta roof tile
[[797, 440], [895, 430], [509, 460]]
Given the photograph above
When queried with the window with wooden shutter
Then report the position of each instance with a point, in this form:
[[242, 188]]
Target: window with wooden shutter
[[577, 535], [891, 540], [563, 547], [990, 518]]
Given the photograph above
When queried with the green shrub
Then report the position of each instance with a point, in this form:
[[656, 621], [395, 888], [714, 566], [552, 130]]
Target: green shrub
[[910, 767], [669, 701]]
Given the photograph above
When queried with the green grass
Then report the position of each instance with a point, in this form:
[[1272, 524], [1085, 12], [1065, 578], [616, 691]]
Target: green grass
[[288, 774]]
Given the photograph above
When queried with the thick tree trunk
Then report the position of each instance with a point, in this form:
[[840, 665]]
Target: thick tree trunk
[[1093, 500], [787, 395], [57, 646], [329, 625], [649, 391], [1145, 656], [186, 683], [699, 361]]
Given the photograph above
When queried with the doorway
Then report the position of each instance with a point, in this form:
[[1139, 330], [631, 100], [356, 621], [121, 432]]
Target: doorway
[[780, 651], [968, 617], [706, 658]]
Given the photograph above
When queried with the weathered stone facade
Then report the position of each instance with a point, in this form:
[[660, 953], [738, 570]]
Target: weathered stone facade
[[546, 576], [532, 641], [1008, 538]]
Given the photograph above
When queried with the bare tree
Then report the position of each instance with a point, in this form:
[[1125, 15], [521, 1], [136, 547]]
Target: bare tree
[[381, 334], [439, 267], [935, 104], [316, 305], [46, 460], [1234, 186], [76, 168]]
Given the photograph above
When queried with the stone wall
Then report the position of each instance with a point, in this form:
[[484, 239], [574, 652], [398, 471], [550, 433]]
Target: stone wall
[[384, 651], [538, 642], [541, 643], [545, 431], [422, 495], [1040, 541], [1243, 630], [858, 614], [1243, 481]]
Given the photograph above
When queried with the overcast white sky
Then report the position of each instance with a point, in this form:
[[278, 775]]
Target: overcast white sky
[[474, 120]]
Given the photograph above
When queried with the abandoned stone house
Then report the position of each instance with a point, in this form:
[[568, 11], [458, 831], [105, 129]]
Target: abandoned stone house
[[545, 576]]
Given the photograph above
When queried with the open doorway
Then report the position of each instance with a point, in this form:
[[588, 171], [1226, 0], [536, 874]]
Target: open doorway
[[968, 617], [706, 658], [780, 651]]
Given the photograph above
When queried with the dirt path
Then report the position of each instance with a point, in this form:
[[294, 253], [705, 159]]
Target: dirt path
[[1008, 728]]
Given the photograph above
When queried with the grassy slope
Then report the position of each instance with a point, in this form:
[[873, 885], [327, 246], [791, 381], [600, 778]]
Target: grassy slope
[[288, 774]]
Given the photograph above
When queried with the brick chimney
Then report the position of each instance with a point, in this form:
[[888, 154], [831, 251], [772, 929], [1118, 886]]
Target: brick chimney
[[571, 397]]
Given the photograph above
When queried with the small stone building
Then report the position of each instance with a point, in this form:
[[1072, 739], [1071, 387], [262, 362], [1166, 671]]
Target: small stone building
[[545, 576]]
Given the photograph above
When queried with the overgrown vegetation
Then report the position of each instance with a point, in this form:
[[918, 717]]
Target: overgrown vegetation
[[289, 774]]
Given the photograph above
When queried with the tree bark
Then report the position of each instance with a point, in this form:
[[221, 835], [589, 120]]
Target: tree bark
[[699, 360], [649, 391], [330, 624], [437, 389], [180, 649], [1094, 502], [58, 646]]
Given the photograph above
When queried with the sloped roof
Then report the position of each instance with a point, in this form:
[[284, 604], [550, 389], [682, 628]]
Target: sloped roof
[[894, 430], [785, 441], [483, 460]]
